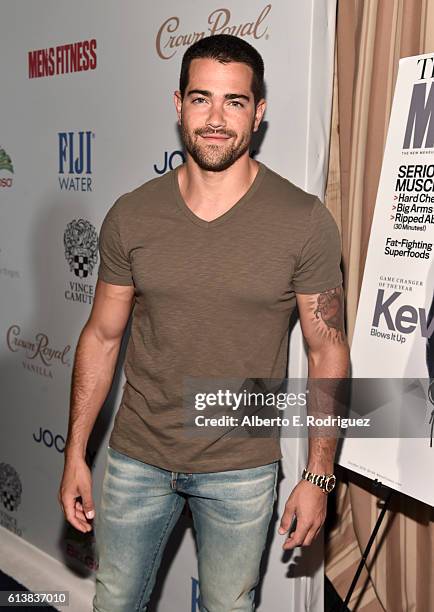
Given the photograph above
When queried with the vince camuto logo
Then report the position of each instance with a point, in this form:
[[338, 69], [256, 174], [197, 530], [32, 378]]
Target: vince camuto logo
[[170, 39], [39, 351]]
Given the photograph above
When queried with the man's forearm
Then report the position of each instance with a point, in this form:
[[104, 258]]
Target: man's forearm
[[330, 367], [94, 365]]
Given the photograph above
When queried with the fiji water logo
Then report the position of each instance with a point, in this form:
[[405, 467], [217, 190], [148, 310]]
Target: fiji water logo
[[7, 167], [81, 247], [75, 160]]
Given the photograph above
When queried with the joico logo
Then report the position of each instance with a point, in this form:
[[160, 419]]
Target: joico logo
[[80, 240], [10, 487], [50, 440], [6, 168], [170, 161], [75, 160], [170, 37], [39, 355]]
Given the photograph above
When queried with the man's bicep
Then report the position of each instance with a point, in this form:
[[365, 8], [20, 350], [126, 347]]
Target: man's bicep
[[110, 311], [115, 264], [322, 317]]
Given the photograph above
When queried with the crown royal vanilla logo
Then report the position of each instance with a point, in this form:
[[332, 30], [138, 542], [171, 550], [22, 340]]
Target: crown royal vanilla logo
[[38, 354], [170, 38]]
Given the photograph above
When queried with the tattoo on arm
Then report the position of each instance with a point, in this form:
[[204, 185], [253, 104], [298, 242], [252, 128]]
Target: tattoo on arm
[[328, 312]]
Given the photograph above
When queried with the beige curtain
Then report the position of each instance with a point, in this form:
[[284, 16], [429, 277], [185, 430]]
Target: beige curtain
[[371, 37]]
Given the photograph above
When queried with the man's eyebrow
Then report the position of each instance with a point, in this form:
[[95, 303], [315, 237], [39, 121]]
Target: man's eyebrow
[[201, 92], [229, 96], [233, 96]]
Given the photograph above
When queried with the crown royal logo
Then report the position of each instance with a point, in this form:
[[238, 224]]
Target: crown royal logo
[[169, 39], [81, 247]]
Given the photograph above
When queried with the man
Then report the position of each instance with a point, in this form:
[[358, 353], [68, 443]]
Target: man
[[213, 257]]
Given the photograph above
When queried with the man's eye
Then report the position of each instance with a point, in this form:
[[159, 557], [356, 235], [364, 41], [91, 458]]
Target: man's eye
[[198, 100], [236, 104]]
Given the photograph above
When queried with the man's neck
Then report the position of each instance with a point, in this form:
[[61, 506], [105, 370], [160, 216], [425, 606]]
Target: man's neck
[[210, 194]]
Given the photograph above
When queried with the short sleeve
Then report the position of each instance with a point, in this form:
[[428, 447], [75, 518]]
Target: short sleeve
[[114, 267], [318, 266]]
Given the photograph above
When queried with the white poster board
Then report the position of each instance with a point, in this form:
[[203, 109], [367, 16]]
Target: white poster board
[[394, 327]]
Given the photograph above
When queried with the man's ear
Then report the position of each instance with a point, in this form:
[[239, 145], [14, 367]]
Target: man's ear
[[177, 98], [259, 113]]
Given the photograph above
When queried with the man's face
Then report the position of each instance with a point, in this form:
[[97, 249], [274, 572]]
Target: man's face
[[218, 115]]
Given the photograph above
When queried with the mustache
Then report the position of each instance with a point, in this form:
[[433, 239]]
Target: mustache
[[208, 132]]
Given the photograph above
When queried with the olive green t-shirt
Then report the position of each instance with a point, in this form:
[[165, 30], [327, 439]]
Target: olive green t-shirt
[[212, 299]]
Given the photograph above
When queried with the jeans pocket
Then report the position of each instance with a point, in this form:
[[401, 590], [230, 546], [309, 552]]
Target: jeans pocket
[[118, 455]]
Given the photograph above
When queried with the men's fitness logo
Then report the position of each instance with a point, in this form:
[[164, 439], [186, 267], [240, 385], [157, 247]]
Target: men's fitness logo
[[80, 240], [63, 59], [419, 132], [169, 39], [6, 166], [10, 487]]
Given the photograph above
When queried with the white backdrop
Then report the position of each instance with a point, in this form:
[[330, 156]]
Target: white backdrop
[[71, 142]]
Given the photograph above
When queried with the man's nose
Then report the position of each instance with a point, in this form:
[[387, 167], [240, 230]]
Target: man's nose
[[216, 117]]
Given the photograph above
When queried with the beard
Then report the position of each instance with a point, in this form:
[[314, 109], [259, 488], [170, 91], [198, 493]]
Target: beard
[[215, 157]]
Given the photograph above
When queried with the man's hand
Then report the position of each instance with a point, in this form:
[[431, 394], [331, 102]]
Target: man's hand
[[77, 482], [308, 503]]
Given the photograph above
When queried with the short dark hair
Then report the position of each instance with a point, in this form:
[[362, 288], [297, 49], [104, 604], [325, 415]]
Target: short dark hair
[[225, 48]]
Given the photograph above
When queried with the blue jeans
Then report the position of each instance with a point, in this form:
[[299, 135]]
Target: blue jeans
[[141, 504]]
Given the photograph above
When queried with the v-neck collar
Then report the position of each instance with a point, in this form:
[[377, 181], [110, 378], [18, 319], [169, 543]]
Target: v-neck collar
[[228, 214]]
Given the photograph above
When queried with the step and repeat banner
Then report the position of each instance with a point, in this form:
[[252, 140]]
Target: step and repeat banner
[[393, 337], [87, 115]]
